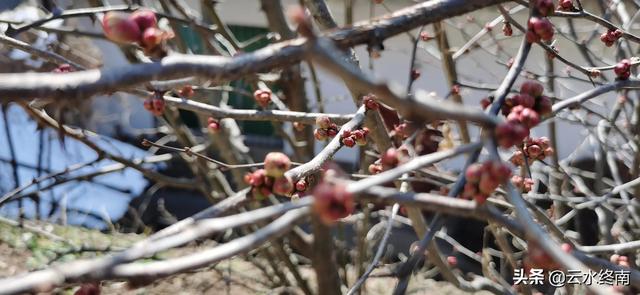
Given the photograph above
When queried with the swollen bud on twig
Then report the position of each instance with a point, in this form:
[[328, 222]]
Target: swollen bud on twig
[[623, 69], [119, 27], [186, 91], [63, 68], [213, 125], [332, 202], [539, 29], [139, 27], [370, 102], [155, 104], [425, 36], [524, 184], [483, 179], [610, 37], [262, 97], [145, 19], [283, 186], [544, 7], [510, 133], [415, 74], [566, 5], [276, 164], [323, 122], [506, 29]]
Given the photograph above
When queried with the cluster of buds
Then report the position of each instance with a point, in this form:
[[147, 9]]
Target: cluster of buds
[[262, 97], [532, 149], [544, 7], [389, 160], [524, 184], [332, 202], [610, 37], [140, 27], [621, 260], [566, 5], [326, 129], [271, 179], [538, 258], [539, 29], [351, 138], [370, 103], [509, 134], [539, 103], [483, 179], [507, 30], [523, 111], [623, 69], [213, 125], [155, 104]]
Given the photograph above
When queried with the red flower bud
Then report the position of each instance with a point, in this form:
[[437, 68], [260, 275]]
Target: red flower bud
[[485, 103], [152, 37], [349, 141], [545, 7], [145, 19], [186, 91], [119, 27], [510, 133], [332, 202], [370, 103], [158, 106], [390, 158], [531, 87], [375, 168], [425, 36], [507, 30], [473, 173], [262, 97], [566, 5], [487, 184], [538, 258], [276, 164], [332, 131], [283, 186], [623, 69], [320, 134], [213, 126], [301, 185], [544, 106], [415, 74], [63, 68], [323, 122], [452, 261]]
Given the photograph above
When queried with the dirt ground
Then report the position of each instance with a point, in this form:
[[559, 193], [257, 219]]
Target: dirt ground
[[23, 250]]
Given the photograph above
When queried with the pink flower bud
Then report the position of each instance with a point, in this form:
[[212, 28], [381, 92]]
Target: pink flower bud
[[119, 27]]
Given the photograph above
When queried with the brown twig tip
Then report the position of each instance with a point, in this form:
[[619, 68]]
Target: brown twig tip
[[146, 142]]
